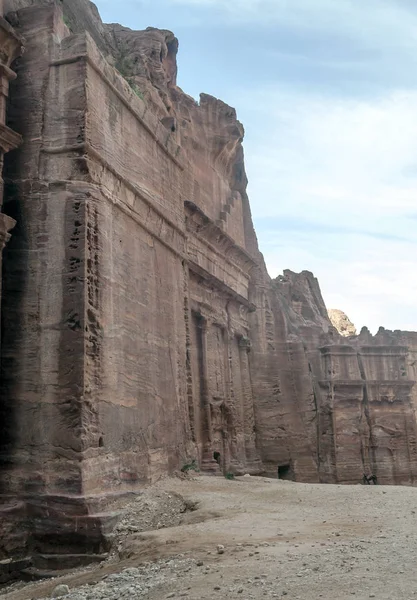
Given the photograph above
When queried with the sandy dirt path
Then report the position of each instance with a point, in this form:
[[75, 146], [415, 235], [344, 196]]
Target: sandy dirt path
[[281, 540]]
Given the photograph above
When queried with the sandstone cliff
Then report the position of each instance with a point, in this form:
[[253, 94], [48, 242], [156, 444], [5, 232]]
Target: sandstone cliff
[[141, 328], [342, 322]]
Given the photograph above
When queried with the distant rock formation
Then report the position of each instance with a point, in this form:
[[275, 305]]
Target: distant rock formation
[[141, 331], [342, 322]]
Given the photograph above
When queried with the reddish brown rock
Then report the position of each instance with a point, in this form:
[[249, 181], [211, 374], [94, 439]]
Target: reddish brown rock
[[142, 330], [126, 291], [357, 411]]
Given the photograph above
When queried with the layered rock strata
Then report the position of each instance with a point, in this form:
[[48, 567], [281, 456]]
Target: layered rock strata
[[141, 330]]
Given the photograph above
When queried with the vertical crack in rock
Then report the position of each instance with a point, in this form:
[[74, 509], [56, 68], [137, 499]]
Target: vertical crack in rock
[[368, 447]]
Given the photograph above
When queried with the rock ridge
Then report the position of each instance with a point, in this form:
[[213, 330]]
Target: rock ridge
[[342, 322]]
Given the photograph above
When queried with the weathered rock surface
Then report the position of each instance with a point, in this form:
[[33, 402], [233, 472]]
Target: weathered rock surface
[[11, 45], [141, 329], [60, 591], [342, 322], [79, 16]]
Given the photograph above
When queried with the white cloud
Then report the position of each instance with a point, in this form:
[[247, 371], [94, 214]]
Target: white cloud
[[333, 187], [373, 18], [350, 157], [375, 283]]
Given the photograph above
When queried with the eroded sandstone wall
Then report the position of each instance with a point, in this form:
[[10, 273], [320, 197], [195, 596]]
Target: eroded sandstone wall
[[362, 392], [94, 360], [127, 291]]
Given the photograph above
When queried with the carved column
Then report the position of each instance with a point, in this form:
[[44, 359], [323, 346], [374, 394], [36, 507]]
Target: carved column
[[252, 457], [10, 48], [207, 461], [205, 400], [231, 425], [6, 224]]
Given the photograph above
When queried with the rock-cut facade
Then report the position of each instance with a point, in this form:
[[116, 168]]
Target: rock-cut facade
[[140, 328]]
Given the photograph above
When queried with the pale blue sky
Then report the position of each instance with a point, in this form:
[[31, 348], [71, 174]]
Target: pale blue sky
[[327, 92]]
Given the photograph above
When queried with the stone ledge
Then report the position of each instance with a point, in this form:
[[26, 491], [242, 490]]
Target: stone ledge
[[197, 270], [9, 139], [368, 382], [60, 531], [383, 350], [325, 383], [6, 224], [44, 563], [11, 569], [338, 350], [224, 242]]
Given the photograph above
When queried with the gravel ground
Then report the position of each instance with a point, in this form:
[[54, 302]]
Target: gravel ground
[[280, 540], [154, 509]]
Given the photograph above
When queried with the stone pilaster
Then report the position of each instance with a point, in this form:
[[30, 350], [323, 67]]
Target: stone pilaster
[[10, 48]]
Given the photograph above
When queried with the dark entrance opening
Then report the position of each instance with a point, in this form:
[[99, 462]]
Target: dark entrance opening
[[217, 458], [284, 472]]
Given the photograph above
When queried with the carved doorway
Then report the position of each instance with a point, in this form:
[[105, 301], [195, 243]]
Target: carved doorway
[[285, 472]]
